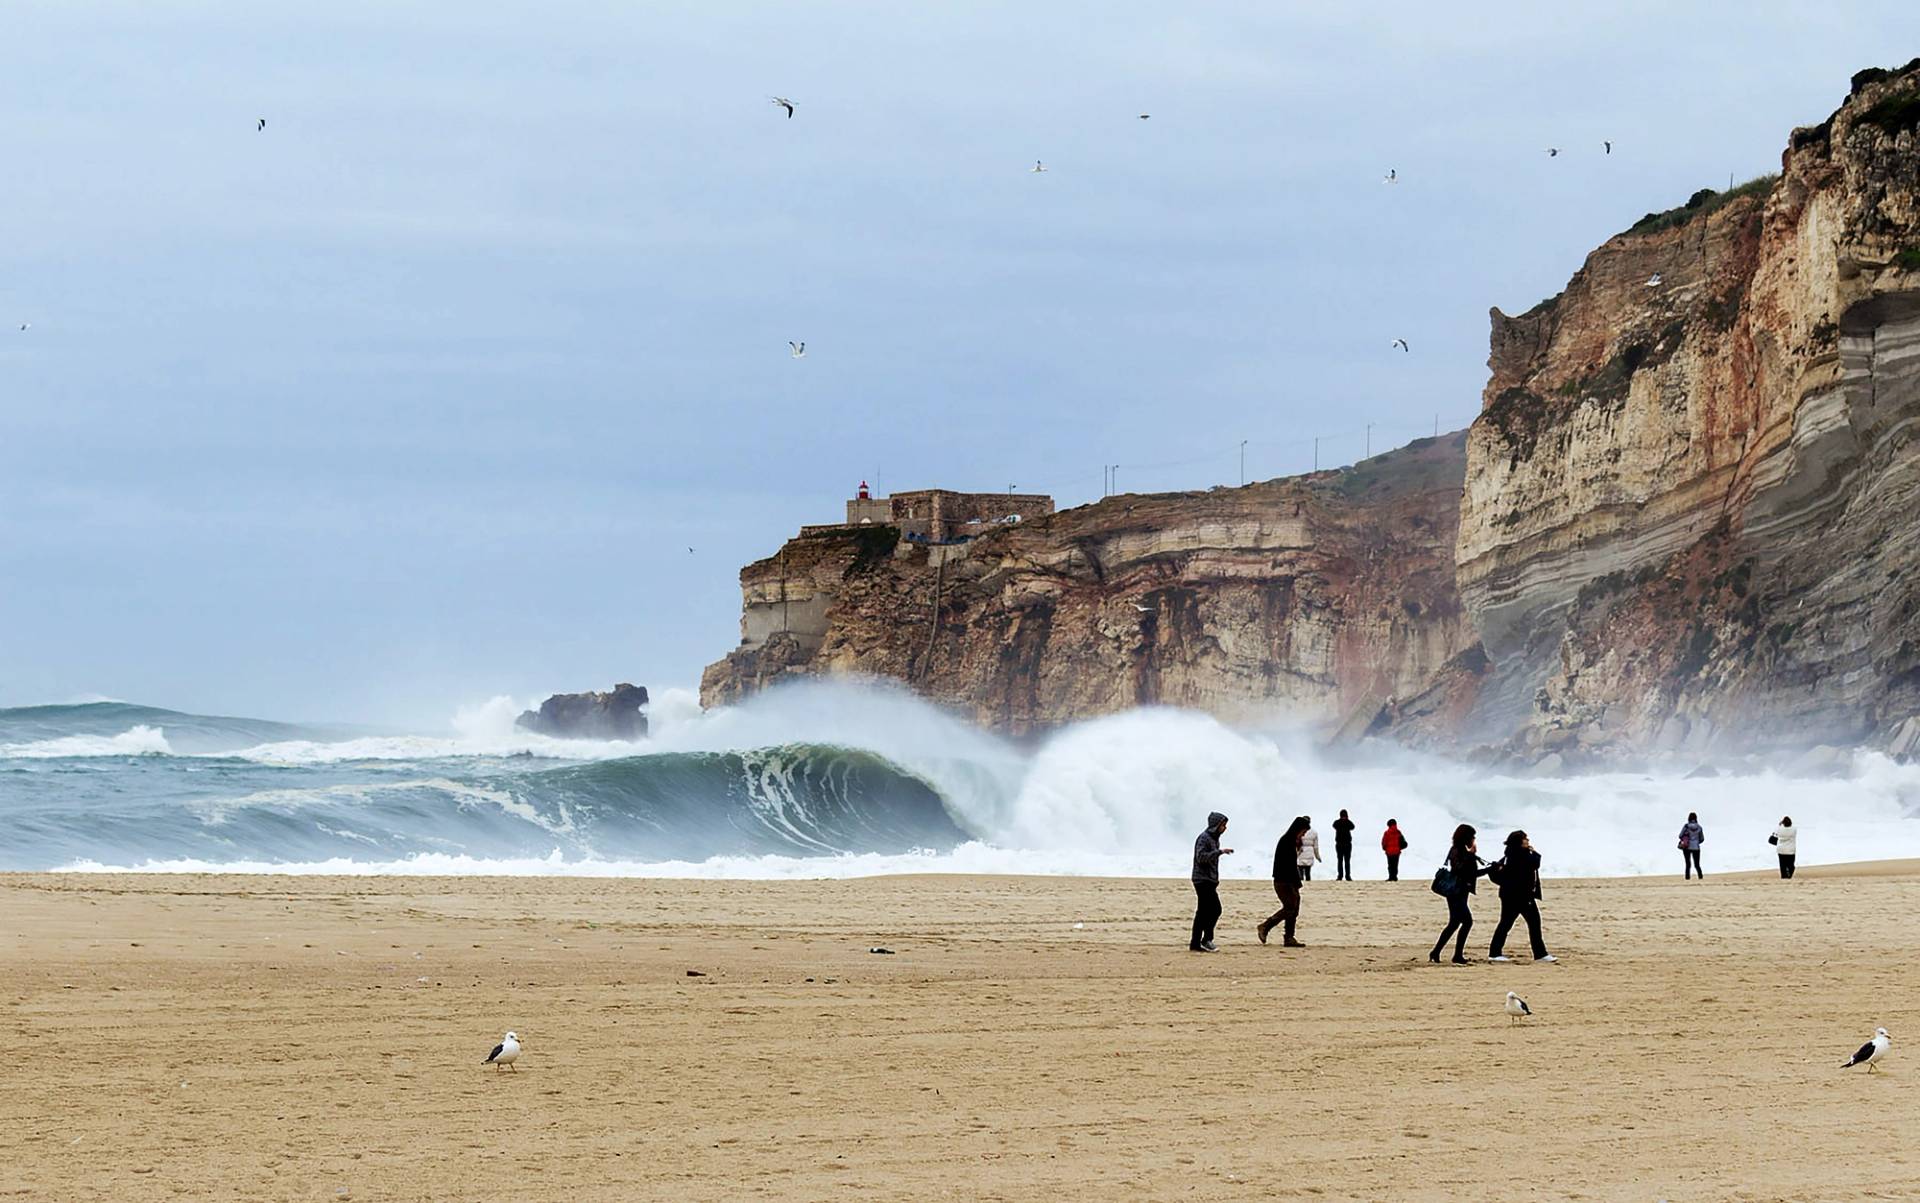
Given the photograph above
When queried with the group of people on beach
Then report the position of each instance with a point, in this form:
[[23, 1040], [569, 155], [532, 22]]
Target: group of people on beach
[[1516, 873]]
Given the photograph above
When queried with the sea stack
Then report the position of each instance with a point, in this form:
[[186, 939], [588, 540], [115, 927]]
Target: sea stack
[[615, 714]]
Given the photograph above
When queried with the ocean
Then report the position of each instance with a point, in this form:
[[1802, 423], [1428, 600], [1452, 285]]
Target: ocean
[[838, 780]]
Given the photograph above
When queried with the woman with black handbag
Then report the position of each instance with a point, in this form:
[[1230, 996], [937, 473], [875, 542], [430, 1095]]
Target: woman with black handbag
[[1463, 865], [1518, 873]]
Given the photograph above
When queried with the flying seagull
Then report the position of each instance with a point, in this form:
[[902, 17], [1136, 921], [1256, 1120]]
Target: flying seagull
[[504, 1053], [1607, 144], [25, 325], [1553, 152], [1144, 116], [261, 124], [1653, 281], [784, 103], [1517, 1008], [1401, 343], [1039, 166], [1871, 1051], [799, 349], [1392, 176]]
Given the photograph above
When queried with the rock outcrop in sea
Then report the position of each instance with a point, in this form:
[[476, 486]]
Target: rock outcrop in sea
[[615, 714], [1685, 523]]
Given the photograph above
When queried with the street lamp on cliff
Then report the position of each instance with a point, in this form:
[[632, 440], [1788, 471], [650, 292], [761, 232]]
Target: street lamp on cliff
[[1243, 462]]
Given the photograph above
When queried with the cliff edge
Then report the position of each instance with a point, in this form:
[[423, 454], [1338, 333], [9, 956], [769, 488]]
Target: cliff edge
[[1688, 521]]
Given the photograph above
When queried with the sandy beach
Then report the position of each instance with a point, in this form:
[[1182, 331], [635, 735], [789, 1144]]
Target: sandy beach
[[321, 1038]]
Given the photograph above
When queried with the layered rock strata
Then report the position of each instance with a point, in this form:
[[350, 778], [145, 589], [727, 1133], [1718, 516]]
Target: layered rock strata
[[1312, 598], [1689, 520]]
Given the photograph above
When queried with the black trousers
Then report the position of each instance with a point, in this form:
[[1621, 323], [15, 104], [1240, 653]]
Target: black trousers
[[1393, 866], [1289, 894], [1343, 863], [1306, 872], [1459, 919], [1207, 914], [1786, 864], [1509, 911], [1692, 857]]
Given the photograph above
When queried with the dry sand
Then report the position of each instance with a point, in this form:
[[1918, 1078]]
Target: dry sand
[[321, 1038]]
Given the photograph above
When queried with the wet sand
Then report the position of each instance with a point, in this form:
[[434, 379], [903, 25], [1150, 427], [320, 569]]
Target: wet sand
[[321, 1038]]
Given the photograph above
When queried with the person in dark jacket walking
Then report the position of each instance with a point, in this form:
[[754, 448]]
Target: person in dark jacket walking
[[1464, 859], [1692, 835], [1343, 848], [1206, 882], [1393, 842], [1286, 883], [1518, 873]]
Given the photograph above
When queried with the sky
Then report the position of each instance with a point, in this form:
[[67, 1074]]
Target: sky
[[469, 374]]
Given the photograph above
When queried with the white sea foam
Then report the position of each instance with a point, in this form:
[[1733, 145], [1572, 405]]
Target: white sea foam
[[135, 741]]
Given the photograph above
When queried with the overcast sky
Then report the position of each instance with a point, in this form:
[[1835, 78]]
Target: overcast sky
[[422, 394]]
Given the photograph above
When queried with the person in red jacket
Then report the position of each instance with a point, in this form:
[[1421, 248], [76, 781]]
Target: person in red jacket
[[1393, 842]]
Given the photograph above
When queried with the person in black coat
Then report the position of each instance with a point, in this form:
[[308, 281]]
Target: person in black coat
[[1206, 882], [1286, 884], [1464, 859], [1518, 873], [1343, 848]]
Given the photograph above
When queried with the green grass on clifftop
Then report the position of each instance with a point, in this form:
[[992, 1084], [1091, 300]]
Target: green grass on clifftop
[[1702, 203]]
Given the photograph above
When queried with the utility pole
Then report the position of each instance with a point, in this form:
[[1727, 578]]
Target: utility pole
[[1316, 453], [1369, 454], [1436, 426], [1243, 463], [1115, 478], [1010, 489]]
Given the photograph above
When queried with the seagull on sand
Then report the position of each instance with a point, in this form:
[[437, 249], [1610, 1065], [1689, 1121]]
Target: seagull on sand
[[1038, 166], [1653, 281], [1517, 1008], [1401, 343], [504, 1053], [784, 103], [1871, 1051]]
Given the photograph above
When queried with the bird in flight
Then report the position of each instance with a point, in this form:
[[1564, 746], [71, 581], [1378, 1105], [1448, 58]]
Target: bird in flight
[[1553, 152], [1607, 144], [260, 124], [689, 551], [504, 1053], [1144, 116], [1871, 1051], [1401, 343], [1653, 281], [784, 103], [24, 326], [1392, 176], [1038, 166], [1517, 1008], [799, 349]]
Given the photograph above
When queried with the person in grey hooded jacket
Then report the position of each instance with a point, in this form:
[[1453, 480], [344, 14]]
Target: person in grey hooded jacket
[[1692, 835], [1206, 882]]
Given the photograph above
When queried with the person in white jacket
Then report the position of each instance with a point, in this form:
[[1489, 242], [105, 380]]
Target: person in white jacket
[[1309, 851], [1786, 841]]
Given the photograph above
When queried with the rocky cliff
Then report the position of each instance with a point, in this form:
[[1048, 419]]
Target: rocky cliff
[[1686, 521], [1318, 597], [1689, 521]]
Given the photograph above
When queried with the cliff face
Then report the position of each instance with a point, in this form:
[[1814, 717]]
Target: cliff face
[[1318, 598], [1689, 515], [1686, 521]]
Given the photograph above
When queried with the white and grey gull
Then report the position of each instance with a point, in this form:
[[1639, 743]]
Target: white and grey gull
[[504, 1053], [1517, 1007]]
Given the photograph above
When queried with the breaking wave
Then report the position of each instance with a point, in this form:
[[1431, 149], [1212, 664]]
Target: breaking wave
[[835, 780]]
